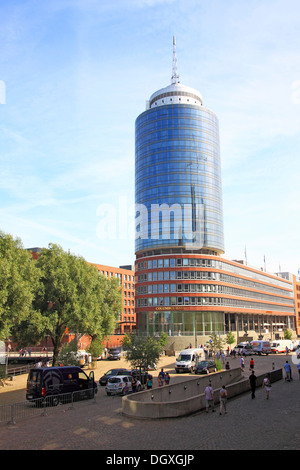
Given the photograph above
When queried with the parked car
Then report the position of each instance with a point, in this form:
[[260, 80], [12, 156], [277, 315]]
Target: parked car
[[205, 367], [117, 385], [114, 354], [112, 373], [243, 349]]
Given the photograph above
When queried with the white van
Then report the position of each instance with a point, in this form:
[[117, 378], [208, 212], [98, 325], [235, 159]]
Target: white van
[[261, 347], [188, 359], [279, 346], [296, 344], [84, 357]]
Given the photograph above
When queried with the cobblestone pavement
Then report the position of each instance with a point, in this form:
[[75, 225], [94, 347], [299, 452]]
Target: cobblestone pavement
[[99, 425]]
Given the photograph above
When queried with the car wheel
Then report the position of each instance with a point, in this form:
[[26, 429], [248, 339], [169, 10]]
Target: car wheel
[[51, 401], [108, 394]]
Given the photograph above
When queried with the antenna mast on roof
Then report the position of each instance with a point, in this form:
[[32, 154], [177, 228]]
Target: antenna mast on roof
[[175, 75]]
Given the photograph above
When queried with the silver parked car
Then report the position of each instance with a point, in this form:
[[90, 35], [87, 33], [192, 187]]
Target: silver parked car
[[121, 385]]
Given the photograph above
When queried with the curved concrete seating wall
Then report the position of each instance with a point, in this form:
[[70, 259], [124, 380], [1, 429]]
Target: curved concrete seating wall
[[176, 399], [180, 399]]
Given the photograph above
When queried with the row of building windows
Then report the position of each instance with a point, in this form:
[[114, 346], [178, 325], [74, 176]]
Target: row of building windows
[[211, 242], [128, 311], [209, 263], [170, 195], [128, 294], [203, 288], [176, 111], [203, 275], [178, 120], [203, 135], [167, 170], [186, 145], [128, 302], [184, 180], [121, 277], [176, 156], [209, 301]]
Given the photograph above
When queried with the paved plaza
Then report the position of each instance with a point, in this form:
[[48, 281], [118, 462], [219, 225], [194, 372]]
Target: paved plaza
[[99, 425]]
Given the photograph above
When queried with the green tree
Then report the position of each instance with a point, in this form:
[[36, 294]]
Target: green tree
[[73, 295], [142, 351], [288, 334], [230, 338], [19, 281], [105, 306], [216, 343]]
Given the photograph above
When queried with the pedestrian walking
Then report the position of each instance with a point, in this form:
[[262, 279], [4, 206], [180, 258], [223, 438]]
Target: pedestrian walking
[[167, 378], [242, 362], [267, 386], [227, 366], [252, 380], [298, 367], [134, 384], [161, 374], [149, 382], [223, 399], [251, 364], [160, 381], [223, 357], [288, 371], [209, 397]]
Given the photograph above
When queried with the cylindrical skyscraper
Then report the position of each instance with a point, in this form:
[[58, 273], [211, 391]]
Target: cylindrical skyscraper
[[178, 194], [178, 174]]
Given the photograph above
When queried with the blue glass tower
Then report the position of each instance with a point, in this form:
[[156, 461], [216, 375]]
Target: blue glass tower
[[179, 217], [178, 191]]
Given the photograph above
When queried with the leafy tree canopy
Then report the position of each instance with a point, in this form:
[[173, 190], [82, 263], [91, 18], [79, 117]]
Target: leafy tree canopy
[[142, 351], [19, 281], [72, 294]]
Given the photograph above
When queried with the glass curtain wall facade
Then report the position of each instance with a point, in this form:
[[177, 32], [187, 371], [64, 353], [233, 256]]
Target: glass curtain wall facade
[[178, 178]]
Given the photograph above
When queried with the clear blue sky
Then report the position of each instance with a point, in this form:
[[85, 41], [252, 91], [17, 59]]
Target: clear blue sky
[[76, 74]]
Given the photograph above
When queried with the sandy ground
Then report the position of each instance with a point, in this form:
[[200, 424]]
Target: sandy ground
[[15, 391]]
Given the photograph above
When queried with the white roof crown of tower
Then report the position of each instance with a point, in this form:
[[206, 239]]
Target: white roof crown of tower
[[176, 93]]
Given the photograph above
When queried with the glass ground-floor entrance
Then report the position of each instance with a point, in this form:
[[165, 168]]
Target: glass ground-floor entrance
[[180, 323], [205, 323]]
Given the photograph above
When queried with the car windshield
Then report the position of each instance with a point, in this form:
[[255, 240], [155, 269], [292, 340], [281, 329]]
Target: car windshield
[[203, 363], [114, 380], [184, 357], [110, 372]]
